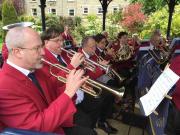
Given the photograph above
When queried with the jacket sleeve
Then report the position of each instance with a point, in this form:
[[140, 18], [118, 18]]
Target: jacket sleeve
[[19, 111]]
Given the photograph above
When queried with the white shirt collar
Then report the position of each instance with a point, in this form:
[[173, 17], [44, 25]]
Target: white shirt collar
[[22, 70], [86, 55], [55, 55], [100, 49]]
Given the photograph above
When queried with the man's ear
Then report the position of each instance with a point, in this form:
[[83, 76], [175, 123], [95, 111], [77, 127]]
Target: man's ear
[[18, 53]]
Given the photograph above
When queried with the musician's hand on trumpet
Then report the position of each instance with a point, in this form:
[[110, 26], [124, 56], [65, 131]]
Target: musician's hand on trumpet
[[74, 82], [77, 60], [110, 51]]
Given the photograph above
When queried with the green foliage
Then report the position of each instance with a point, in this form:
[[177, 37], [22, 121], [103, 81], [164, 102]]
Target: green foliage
[[112, 24], [150, 6], [0, 12], [159, 20], [115, 17], [1, 31], [93, 25], [9, 14]]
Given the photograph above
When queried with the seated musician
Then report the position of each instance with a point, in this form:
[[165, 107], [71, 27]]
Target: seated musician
[[102, 54], [27, 99], [53, 41], [68, 39], [97, 108]]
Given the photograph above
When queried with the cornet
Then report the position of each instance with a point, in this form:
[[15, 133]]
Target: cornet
[[110, 71], [86, 65], [89, 82], [91, 65]]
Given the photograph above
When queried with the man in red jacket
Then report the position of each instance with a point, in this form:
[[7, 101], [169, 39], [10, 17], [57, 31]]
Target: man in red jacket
[[27, 99], [53, 41], [98, 108]]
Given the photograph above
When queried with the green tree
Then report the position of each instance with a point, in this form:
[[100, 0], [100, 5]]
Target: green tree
[[150, 6], [93, 25], [9, 14], [159, 20]]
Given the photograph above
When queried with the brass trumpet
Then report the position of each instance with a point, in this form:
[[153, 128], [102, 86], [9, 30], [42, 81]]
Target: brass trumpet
[[91, 65], [87, 64], [110, 71], [90, 82]]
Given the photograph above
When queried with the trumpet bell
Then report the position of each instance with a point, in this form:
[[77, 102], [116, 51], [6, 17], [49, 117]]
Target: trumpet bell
[[21, 24]]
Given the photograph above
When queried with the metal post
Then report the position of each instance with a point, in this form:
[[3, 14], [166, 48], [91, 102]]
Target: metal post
[[43, 19]]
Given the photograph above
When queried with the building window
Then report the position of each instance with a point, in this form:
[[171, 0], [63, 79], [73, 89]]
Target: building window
[[34, 11], [85, 10], [100, 11], [52, 11], [71, 12], [115, 9]]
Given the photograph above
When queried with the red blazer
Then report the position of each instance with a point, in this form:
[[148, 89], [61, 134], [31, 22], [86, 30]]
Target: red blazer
[[116, 45], [23, 106], [68, 37], [46, 68], [4, 52], [175, 66], [54, 81], [98, 71]]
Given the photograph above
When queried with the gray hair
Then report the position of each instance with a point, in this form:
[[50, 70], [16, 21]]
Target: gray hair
[[15, 38], [85, 40]]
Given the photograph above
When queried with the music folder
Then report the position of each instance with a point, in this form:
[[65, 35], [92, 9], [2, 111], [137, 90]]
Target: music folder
[[150, 101]]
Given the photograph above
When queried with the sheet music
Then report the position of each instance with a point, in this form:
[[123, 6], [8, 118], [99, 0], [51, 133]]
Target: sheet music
[[157, 92]]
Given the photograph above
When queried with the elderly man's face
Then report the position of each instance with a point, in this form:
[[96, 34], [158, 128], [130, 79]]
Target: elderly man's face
[[33, 51]]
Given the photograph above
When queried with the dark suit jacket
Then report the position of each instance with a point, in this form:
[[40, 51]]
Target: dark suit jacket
[[23, 106]]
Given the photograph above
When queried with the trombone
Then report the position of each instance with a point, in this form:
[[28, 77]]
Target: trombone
[[90, 82]]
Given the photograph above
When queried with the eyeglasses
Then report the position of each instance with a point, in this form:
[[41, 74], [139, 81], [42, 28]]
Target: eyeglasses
[[37, 48]]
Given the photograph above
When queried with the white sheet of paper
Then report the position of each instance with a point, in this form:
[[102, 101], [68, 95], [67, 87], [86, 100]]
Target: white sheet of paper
[[159, 89]]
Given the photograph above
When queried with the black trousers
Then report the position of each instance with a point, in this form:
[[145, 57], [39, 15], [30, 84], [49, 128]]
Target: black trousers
[[79, 130], [82, 119], [173, 121], [97, 108]]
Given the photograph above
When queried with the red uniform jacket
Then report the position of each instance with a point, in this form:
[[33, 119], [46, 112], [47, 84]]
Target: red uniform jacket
[[66, 37], [69, 38], [4, 52], [175, 66], [46, 70], [23, 106], [98, 71]]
